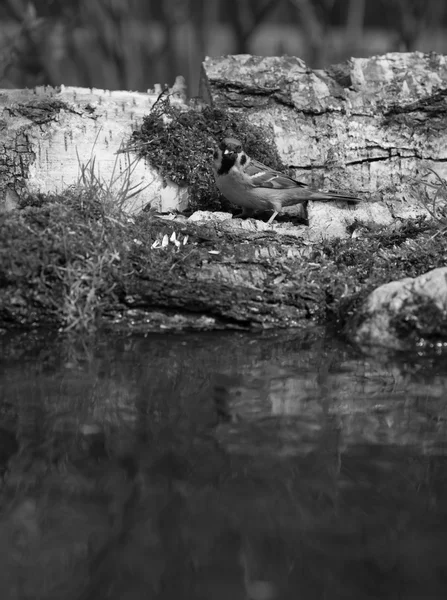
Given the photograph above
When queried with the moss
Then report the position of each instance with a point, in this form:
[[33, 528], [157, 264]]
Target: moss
[[57, 261], [67, 259], [425, 320], [74, 262], [352, 269], [40, 111], [180, 144]]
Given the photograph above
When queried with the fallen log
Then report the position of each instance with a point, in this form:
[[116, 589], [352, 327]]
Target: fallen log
[[68, 259]]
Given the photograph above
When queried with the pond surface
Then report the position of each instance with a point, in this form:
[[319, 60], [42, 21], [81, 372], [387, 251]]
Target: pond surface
[[220, 466]]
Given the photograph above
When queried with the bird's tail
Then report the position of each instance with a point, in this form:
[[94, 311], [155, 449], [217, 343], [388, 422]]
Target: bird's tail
[[322, 197]]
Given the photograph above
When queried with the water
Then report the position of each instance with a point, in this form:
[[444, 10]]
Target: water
[[220, 466]]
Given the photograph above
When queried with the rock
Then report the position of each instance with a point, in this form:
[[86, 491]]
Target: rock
[[403, 313], [201, 216], [331, 220]]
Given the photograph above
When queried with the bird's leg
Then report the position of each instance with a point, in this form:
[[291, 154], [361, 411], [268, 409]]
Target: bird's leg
[[273, 217]]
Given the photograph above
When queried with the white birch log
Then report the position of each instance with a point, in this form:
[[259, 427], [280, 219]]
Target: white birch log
[[49, 134], [368, 125]]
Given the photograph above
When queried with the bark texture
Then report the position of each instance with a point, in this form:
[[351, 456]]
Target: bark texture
[[367, 125], [50, 134]]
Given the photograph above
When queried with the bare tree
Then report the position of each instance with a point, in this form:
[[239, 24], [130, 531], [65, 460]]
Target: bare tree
[[314, 26], [354, 24], [245, 17], [412, 17], [26, 51], [132, 44]]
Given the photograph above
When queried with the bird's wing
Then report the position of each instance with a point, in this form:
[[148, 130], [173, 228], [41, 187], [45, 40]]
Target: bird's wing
[[262, 176]]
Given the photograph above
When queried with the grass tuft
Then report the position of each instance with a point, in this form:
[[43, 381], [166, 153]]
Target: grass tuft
[[431, 193], [113, 194], [68, 259]]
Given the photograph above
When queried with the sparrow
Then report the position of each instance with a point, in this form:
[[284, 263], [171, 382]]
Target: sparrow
[[248, 183]]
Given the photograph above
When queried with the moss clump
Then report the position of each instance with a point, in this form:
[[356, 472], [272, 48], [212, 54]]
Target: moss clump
[[68, 260], [57, 256], [40, 111], [64, 259], [180, 144], [425, 320]]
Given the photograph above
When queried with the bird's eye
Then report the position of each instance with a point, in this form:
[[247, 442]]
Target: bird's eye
[[243, 160], [239, 149]]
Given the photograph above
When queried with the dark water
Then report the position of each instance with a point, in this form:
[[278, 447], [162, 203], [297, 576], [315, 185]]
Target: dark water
[[221, 467]]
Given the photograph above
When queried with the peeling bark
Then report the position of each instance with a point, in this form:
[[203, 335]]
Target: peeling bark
[[365, 125], [49, 134]]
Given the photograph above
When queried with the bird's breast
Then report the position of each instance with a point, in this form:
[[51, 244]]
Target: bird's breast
[[234, 188]]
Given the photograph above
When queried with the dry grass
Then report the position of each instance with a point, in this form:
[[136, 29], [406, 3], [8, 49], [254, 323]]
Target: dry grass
[[431, 193], [115, 193]]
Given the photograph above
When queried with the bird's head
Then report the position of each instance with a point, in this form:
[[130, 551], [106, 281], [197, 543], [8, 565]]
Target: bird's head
[[228, 154]]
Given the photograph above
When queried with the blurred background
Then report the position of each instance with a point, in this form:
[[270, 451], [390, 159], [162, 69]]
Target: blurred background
[[133, 44]]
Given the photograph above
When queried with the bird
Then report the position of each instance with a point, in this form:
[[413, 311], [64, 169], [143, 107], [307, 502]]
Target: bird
[[248, 183]]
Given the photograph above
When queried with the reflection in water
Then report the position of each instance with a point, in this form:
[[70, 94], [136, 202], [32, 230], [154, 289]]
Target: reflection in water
[[220, 466]]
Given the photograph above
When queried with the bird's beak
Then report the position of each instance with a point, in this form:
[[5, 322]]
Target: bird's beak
[[226, 151]]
